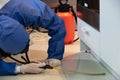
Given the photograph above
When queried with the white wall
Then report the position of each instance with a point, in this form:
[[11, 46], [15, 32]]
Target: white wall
[[110, 33]]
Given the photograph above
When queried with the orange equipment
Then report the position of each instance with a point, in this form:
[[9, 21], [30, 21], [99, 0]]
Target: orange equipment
[[66, 12]]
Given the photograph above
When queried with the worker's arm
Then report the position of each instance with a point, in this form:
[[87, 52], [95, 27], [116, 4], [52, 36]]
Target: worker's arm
[[46, 18], [12, 69], [56, 30]]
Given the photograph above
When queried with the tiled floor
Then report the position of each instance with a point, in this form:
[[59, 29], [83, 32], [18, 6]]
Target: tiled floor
[[74, 64]]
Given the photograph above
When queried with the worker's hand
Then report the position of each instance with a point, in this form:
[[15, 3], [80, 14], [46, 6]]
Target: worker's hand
[[32, 68], [53, 62]]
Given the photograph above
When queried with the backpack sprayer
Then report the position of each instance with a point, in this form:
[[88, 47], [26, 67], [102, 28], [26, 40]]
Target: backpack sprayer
[[66, 12]]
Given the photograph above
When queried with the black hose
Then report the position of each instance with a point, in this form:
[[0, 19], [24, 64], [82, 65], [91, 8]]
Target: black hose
[[28, 60], [17, 60]]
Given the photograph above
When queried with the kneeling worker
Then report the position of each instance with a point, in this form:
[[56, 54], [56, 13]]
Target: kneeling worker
[[15, 15]]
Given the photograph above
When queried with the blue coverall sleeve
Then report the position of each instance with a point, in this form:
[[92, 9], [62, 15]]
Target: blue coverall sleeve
[[7, 68], [56, 28]]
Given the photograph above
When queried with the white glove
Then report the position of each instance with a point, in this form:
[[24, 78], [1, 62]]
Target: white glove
[[53, 62], [32, 68]]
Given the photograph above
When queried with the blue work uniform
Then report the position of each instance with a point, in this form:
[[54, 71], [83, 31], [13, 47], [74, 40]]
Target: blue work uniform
[[35, 13]]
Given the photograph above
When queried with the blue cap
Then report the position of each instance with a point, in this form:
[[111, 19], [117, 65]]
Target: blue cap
[[13, 36]]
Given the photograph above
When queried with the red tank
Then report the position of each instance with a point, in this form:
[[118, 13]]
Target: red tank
[[66, 12], [69, 24]]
